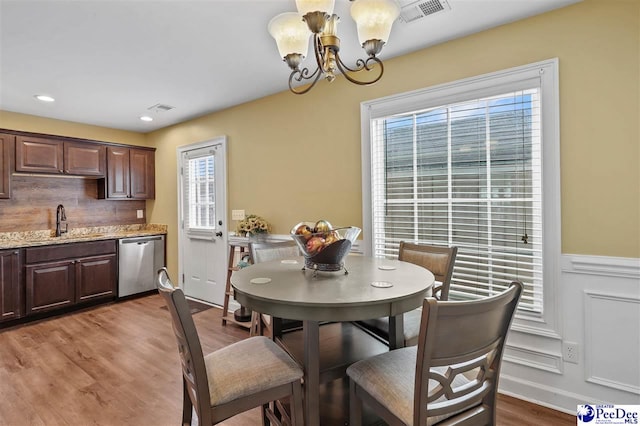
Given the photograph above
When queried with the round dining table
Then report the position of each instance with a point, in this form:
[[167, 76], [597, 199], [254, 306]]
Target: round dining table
[[372, 288]]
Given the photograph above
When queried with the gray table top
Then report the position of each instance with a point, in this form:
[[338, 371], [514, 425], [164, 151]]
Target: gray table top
[[332, 296]]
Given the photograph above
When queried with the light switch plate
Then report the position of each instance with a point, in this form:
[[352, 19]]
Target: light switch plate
[[237, 214], [140, 214]]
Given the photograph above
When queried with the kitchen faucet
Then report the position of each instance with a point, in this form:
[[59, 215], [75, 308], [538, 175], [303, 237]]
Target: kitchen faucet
[[61, 216]]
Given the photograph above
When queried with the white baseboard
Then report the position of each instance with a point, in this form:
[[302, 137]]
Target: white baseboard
[[546, 396]]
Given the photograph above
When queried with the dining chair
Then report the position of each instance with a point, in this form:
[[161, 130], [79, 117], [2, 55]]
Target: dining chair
[[438, 260], [261, 324], [250, 373], [450, 377]]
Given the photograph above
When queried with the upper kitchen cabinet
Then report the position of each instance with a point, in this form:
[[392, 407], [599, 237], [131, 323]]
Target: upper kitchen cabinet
[[130, 174], [39, 155], [7, 143], [44, 155], [86, 159], [143, 173]]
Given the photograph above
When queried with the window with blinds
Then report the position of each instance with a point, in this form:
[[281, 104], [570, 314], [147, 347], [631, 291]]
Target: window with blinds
[[466, 174], [200, 192], [473, 163]]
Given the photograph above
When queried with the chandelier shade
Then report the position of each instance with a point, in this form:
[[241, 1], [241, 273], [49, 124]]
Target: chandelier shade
[[291, 34], [306, 6], [315, 18], [374, 19]]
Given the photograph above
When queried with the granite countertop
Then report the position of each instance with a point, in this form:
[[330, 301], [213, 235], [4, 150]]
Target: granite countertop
[[9, 240]]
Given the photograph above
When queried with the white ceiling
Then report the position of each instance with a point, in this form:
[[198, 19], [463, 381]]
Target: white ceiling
[[107, 61]]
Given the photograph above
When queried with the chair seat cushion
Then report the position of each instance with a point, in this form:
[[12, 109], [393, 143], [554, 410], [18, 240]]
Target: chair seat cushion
[[390, 379], [247, 367], [380, 326]]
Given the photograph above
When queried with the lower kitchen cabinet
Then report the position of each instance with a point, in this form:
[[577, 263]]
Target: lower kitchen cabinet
[[10, 289], [70, 274], [96, 278], [50, 286]]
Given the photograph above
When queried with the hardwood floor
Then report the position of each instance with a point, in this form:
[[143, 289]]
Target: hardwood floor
[[118, 365]]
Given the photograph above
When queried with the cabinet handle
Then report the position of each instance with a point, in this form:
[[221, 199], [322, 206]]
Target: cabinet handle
[[15, 253]]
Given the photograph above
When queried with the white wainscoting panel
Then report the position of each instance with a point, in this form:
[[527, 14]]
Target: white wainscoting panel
[[534, 358], [599, 305], [612, 341]]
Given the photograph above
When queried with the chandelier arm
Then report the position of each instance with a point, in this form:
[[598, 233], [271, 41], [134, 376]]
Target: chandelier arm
[[304, 75], [318, 50], [361, 65]]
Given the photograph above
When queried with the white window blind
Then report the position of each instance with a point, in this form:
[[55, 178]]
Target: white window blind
[[199, 180], [465, 174]]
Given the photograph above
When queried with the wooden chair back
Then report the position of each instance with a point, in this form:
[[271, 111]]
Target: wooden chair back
[[438, 260], [463, 338], [194, 373], [273, 250], [262, 325]]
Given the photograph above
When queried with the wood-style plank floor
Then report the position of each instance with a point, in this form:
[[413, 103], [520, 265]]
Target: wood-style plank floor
[[118, 365]]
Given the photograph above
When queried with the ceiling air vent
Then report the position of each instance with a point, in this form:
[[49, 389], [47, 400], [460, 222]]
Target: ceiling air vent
[[411, 10], [160, 108]]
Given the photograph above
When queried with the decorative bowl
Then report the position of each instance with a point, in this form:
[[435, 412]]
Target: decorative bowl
[[324, 251]]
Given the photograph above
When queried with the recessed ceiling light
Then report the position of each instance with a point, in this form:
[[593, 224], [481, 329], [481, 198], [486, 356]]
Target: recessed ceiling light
[[146, 118], [44, 98]]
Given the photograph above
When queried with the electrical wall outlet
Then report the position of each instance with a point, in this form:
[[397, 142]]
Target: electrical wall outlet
[[570, 352], [140, 214], [237, 214]]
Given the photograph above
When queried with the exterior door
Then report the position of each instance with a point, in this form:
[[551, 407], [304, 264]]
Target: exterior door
[[203, 224]]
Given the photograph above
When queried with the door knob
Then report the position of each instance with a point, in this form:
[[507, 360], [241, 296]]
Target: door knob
[[219, 234]]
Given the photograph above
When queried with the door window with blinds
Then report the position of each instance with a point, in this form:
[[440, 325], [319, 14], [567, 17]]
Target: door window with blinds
[[200, 191], [462, 165]]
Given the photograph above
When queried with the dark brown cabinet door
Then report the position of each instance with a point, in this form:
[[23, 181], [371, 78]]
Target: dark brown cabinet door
[[7, 144], [118, 185], [130, 174], [39, 155], [96, 278], [50, 286], [142, 174], [84, 159], [10, 294]]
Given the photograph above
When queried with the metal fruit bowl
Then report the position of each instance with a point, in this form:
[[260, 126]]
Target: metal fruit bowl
[[325, 251]]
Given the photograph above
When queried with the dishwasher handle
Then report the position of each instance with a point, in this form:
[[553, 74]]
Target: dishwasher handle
[[140, 240]]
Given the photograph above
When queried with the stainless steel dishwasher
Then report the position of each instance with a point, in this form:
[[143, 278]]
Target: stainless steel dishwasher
[[139, 259]]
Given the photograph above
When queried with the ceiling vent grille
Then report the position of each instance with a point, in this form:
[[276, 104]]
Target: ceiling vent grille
[[411, 10], [160, 108]]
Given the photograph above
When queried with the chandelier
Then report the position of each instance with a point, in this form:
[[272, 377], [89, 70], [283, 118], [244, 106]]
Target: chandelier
[[373, 18]]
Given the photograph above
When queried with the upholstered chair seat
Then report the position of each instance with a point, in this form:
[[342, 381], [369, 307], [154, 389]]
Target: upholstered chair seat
[[390, 378], [248, 367]]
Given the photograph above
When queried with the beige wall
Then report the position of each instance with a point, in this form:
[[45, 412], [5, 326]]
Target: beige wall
[[286, 165], [293, 158], [31, 123]]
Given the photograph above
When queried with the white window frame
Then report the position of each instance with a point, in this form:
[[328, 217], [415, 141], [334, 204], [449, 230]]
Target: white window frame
[[545, 73]]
